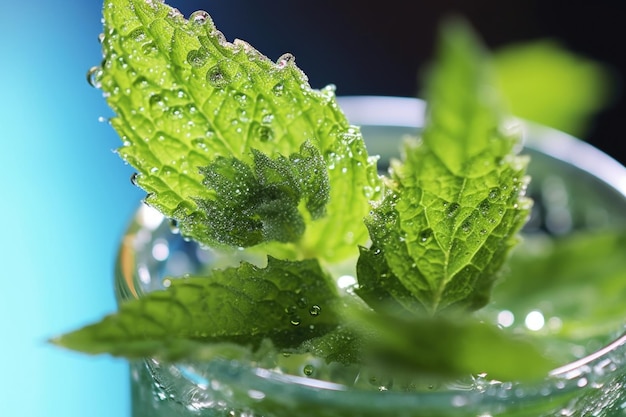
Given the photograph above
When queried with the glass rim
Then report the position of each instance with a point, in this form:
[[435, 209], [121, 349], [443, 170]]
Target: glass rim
[[409, 112]]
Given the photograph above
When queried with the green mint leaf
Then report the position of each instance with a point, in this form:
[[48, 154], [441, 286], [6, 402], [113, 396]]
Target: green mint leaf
[[404, 346], [184, 96], [258, 204], [455, 203], [583, 276], [462, 347], [286, 302], [547, 84]]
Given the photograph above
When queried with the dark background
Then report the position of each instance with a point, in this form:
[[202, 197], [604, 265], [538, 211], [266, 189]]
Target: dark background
[[379, 47]]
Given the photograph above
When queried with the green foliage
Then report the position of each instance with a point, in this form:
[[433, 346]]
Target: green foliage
[[184, 96], [462, 346], [241, 305], [582, 275], [456, 201], [239, 150], [255, 205], [545, 83]]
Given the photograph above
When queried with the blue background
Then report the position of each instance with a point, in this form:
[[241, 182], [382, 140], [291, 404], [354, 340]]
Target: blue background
[[66, 197]]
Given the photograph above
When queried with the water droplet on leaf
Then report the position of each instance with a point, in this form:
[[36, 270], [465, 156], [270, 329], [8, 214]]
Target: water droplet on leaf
[[216, 77], [308, 370], [484, 207], [425, 235], [285, 60], [141, 82], [295, 321], [174, 226], [138, 35], [157, 104], [197, 58], [315, 310], [149, 48], [94, 77], [331, 88], [452, 209], [264, 133], [278, 89], [199, 17]]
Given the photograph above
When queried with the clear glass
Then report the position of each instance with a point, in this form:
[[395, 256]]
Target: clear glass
[[575, 187]]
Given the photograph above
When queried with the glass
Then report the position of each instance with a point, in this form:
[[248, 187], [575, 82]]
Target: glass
[[575, 187]]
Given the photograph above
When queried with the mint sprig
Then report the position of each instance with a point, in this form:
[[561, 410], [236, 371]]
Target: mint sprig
[[455, 202], [184, 96], [241, 151]]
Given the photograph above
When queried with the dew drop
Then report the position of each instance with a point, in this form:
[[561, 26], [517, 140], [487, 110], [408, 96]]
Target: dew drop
[[157, 104], [199, 17], [219, 36], [494, 193], [330, 88], [176, 112], [149, 48], [295, 321], [285, 60], [425, 235], [484, 207], [216, 77], [138, 35], [174, 228], [94, 77], [315, 310], [141, 82], [134, 179], [265, 133], [452, 209], [200, 144], [308, 370], [241, 98], [175, 14], [466, 226], [197, 58], [278, 89]]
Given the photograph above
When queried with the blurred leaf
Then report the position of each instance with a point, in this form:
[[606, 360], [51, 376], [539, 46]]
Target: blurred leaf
[[579, 279], [448, 347], [545, 83]]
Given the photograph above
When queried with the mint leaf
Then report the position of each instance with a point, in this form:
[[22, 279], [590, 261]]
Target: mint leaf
[[455, 203], [286, 302], [257, 204], [462, 347], [547, 84], [434, 348], [579, 279], [184, 96]]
